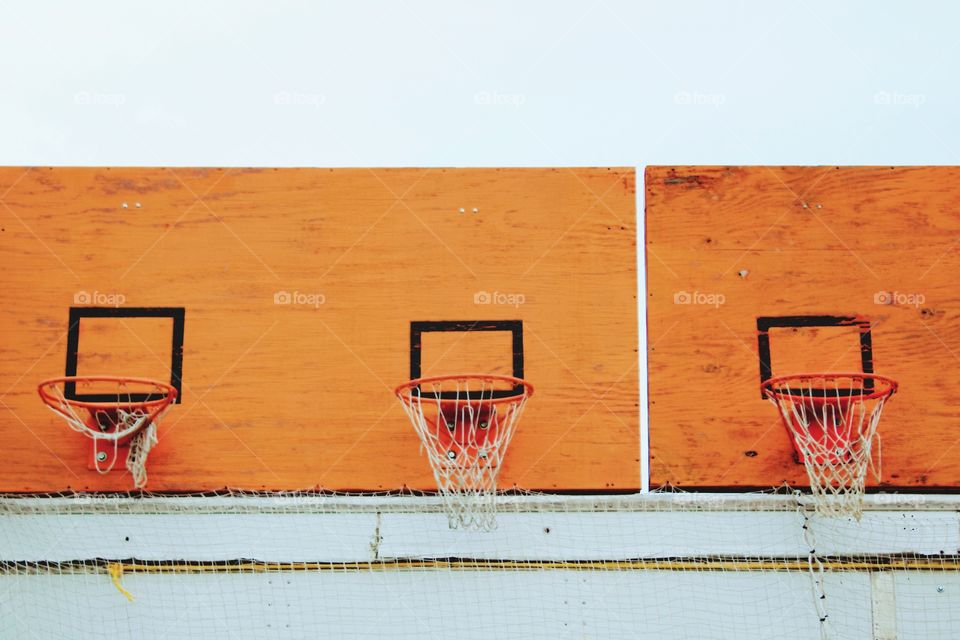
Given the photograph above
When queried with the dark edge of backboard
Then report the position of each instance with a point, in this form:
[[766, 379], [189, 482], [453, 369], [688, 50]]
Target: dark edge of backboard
[[765, 323], [176, 314], [515, 327], [883, 488]]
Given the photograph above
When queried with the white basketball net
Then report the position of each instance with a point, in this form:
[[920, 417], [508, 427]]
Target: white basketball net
[[465, 433], [833, 420], [132, 422]]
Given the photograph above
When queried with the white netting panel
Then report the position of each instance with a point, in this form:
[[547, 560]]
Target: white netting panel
[[465, 430], [833, 420], [303, 565]]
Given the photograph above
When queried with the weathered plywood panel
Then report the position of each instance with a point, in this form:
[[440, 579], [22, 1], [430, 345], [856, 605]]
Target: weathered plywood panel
[[726, 245], [298, 288]]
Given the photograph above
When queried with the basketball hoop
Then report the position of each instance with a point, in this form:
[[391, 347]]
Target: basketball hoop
[[116, 412], [832, 419], [465, 424]]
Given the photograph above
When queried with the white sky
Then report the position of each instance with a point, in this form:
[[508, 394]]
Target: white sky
[[509, 83], [504, 83]]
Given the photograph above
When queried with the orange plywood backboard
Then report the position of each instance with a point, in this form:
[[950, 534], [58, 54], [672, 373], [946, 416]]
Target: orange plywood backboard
[[282, 300], [789, 264]]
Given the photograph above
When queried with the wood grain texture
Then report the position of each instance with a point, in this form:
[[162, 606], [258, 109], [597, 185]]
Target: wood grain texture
[[300, 395], [743, 242]]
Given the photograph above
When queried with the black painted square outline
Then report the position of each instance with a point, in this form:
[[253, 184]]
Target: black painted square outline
[[765, 323], [177, 314], [515, 327]]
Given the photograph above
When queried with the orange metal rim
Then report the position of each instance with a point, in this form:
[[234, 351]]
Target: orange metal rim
[[402, 391], [170, 392], [891, 385]]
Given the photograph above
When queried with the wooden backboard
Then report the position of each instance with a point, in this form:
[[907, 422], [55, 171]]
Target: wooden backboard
[[813, 269], [282, 301]]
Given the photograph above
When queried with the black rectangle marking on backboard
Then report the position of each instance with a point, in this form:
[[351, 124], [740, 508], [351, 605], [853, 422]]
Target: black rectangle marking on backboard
[[515, 327], [765, 323], [176, 314]]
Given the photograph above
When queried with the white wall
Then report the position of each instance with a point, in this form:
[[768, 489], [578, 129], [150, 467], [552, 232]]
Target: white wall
[[391, 592]]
